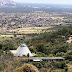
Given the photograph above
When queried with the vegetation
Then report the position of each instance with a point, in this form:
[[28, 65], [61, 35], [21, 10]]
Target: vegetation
[[46, 44], [27, 68], [52, 43]]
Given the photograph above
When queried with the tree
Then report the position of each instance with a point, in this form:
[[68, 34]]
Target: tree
[[8, 46], [61, 64], [40, 48], [15, 35], [0, 46], [28, 55], [1, 52], [61, 54]]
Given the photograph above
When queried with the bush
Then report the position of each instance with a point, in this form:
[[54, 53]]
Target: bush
[[61, 54], [27, 68], [37, 64], [68, 57], [1, 52], [39, 54], [0, 46], [40, 48], [43, 70], [28, 55], [8, 46], [61, 64], [70, 53], [66, 69]]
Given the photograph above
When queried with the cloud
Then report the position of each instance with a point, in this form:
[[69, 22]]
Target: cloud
[[46, 1]]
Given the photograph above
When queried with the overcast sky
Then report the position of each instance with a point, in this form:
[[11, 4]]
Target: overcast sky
[[46, 1]]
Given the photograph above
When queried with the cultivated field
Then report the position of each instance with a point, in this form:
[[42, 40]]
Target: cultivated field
[[23, 33], [57, 18], [30, 30]]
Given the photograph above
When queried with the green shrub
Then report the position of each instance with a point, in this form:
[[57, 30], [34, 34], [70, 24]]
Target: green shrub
[[61, 64], [8, 46], [37, 64], [43, 70], [1, 52], [66, 69], [0, 46]]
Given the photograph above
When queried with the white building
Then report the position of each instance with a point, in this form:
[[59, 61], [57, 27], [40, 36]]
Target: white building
[[22, 50]]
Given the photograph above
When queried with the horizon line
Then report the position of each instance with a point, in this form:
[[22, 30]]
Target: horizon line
[[43, 3]]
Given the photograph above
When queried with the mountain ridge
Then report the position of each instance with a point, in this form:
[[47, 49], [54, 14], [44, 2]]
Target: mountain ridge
[[7, 3]]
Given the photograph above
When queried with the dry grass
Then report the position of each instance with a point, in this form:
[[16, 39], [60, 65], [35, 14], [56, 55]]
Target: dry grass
[[30, 30], [27, 68], [69, 68], [6, 35], [57, 18]]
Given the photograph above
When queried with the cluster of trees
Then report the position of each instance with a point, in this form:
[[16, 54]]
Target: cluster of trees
[[5, 47], [52, 44]]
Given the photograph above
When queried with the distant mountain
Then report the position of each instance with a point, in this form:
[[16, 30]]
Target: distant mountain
[[7, 3]]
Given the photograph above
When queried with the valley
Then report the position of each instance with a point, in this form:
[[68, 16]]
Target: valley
[[44, 30]]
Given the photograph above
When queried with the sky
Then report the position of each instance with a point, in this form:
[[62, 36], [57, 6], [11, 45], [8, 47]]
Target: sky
[[46, 1]]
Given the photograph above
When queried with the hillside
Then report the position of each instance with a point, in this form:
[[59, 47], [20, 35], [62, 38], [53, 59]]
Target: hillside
[[47, 44], [52, 43]]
